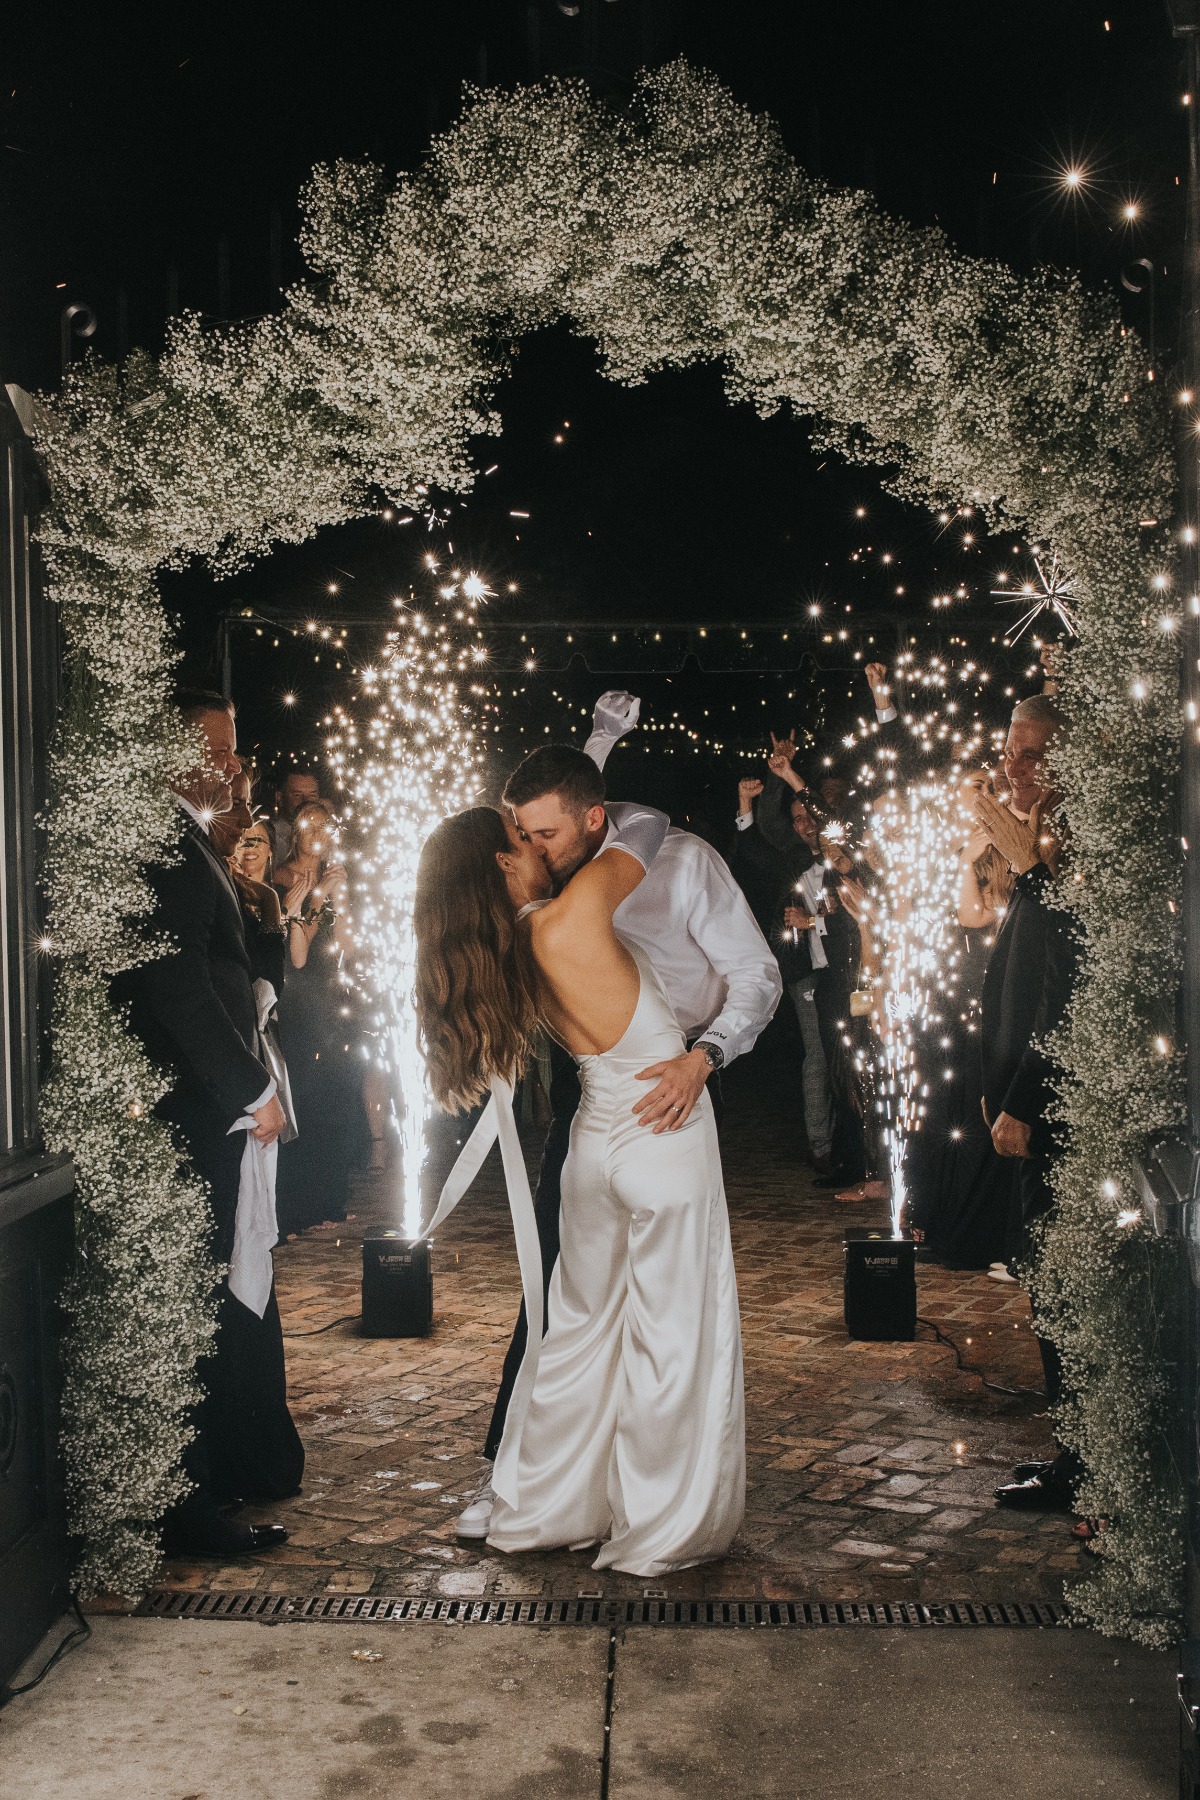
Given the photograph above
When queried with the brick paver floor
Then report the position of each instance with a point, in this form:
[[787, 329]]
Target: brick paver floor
[[871, 1466]]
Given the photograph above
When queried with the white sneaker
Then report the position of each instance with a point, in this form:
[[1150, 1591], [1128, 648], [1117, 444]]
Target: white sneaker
[[998, 1271], [475, 1521]]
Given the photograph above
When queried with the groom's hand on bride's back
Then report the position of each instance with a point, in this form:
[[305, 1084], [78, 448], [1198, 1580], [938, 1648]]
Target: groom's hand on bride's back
[[680, 1084]]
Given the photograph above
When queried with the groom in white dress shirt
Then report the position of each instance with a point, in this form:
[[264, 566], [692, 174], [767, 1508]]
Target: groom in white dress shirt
[[692, 918]]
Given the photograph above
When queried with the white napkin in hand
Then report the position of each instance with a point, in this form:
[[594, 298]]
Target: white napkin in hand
[[255, 1229], [255, 1226]]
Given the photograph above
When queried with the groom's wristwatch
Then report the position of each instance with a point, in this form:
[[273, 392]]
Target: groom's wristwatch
[[713, 1055]]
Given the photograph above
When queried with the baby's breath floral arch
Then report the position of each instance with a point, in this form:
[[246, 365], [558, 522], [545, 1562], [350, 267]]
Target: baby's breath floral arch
[[676, 231]]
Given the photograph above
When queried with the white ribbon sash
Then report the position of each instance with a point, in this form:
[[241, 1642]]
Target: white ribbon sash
[[497, 1120]]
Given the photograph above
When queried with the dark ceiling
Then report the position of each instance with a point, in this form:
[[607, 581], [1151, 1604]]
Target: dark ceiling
[[153, 160]]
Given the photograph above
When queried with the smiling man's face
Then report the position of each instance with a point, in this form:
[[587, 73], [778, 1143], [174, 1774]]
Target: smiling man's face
[[1024, 760]]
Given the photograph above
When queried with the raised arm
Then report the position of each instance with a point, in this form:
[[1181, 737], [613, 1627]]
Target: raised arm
[[638, 830], [616, 714], [881, 692], [635, 837], [773, 815]]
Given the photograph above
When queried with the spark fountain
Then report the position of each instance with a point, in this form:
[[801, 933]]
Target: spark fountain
[[916, 834], [912, 958], [406, 752]]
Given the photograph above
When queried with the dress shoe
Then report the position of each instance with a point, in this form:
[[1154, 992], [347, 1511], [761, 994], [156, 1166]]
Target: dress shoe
[[197, 1527], [235, 1504], [1024, 1470], [265, 1537], [1046, 1492], [823, 1166]]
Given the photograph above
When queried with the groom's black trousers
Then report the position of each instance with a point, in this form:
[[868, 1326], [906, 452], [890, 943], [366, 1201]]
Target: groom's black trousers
[[547, 1205], [246, 1443]]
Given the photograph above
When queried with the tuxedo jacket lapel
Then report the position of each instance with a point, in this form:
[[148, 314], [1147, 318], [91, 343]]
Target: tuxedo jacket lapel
[[219, 864]]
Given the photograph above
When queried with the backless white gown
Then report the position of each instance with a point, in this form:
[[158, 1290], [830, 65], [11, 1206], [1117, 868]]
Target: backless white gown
[[635, 1432]]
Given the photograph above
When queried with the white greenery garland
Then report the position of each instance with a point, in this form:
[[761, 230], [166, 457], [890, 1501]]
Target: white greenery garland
[[676, 232]]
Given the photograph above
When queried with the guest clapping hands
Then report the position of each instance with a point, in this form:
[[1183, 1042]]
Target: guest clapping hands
[[1022, 842], [312, 883]]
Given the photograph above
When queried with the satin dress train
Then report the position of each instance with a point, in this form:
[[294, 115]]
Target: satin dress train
[[635, 1432]]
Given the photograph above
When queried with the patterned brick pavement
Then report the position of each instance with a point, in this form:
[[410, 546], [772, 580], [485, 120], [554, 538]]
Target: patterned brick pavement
[[871, 1466]]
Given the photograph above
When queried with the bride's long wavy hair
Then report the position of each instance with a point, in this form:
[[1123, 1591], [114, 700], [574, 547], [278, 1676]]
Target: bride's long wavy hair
[[476, 985]]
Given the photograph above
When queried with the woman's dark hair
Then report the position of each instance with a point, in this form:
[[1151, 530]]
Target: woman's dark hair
[[476, 986], [556, 769]]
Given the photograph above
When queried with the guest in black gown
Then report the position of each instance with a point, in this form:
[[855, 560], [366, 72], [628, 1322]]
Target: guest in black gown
[[318, 1029], [964, 1197]]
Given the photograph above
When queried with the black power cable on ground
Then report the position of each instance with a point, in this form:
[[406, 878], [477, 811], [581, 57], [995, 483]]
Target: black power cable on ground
[[346, 1319], [967, 1368], [78, 1635]]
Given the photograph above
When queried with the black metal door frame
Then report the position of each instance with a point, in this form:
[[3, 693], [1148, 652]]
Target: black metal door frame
[[1171, 1177]]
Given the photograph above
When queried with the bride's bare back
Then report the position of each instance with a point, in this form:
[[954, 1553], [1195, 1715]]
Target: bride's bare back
[[589, 981]]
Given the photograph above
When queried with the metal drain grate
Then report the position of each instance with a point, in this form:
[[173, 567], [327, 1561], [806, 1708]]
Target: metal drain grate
[[362, 1609]]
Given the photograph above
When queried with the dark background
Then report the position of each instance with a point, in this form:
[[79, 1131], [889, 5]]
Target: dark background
[[153, 159]]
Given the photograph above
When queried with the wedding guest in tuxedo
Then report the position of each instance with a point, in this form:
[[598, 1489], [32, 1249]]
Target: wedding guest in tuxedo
[[758, 866], [796, 928], [194, 1010], [318, 1029], [691, 916], [1026, 990], [816, 943]]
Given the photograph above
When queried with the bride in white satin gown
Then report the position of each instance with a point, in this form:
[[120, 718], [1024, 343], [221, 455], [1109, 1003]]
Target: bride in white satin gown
[[633, 1437]]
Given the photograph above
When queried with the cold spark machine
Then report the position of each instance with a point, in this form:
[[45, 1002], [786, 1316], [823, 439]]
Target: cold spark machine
[[880, 1285], [397, 1286]]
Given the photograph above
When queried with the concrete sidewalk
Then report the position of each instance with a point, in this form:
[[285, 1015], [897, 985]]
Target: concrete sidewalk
[[201, 1710]]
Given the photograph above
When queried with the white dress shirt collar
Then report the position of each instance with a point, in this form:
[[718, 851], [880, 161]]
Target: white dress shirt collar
[[193, 812]]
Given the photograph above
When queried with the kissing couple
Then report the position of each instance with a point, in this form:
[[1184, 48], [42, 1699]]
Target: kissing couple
[[622, 938]]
